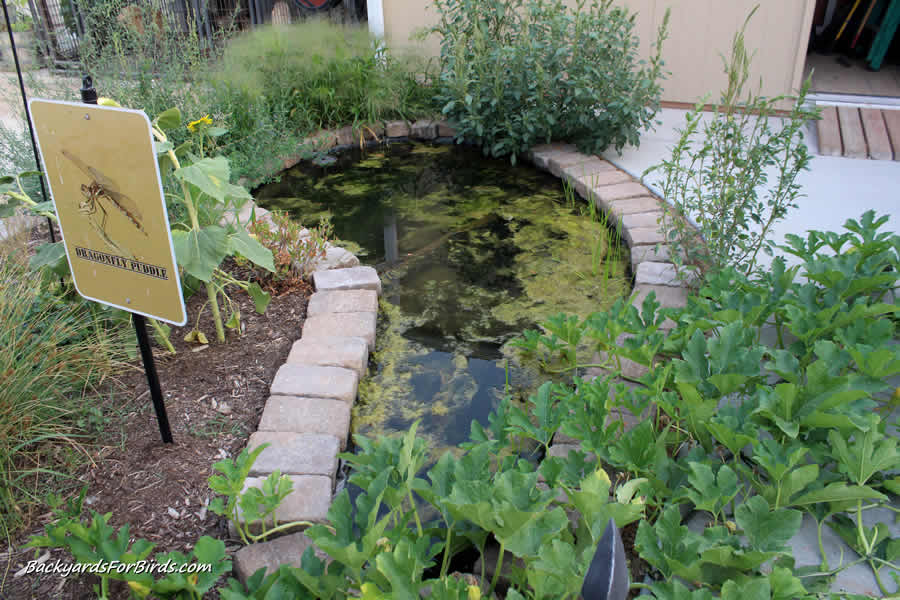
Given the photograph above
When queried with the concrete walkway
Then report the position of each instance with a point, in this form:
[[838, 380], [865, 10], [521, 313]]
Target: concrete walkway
[[835, 188]]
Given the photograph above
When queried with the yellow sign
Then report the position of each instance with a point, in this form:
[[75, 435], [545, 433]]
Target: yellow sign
[[105, 184]]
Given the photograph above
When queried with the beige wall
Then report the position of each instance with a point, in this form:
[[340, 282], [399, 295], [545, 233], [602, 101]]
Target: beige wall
[[699, 31]]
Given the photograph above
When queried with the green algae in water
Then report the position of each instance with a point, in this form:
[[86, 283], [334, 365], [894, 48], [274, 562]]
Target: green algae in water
[[471, 251]]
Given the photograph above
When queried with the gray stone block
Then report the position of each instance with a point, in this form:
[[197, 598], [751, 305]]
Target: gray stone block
[[644, 219], [657, 273], [315, 382], [342, 301], [335, 258], [620, 191], [562, 450], [641, 254], [541, 154], [355, 278], [643, 236], [286, 550], [395, 129], [617, 209], [295, 453], [559, 162], [424, 130], [445, 129], [345, 352], [326, 325], [307, 415], [309, 500], [602, 178]]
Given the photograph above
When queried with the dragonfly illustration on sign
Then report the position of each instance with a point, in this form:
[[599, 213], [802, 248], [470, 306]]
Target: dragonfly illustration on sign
[[102, 188]]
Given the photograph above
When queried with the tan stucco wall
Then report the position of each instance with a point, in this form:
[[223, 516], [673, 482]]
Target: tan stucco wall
[[699, 31]]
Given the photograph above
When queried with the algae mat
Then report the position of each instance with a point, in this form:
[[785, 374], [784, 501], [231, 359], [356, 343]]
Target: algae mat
[[471, 252]]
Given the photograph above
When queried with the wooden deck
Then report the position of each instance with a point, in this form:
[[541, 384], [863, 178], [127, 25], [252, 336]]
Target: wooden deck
[[859, 133]]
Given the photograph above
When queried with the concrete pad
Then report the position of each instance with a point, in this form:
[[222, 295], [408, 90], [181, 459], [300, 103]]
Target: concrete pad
[[619, 208], [342, 301], [355, 278], [315, 382], [644, 219], [286, 550], [307, 415], [329, 325], [655, 253], [345, 352], [309, 500], [295, 453]]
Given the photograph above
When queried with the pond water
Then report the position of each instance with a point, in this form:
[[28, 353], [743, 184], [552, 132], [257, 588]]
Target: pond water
[[471, 252]]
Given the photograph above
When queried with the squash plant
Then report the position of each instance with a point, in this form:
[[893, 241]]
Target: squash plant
[[203, 240]]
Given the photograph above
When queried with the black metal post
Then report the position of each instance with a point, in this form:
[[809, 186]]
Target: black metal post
[[34, 148], [89, 96]]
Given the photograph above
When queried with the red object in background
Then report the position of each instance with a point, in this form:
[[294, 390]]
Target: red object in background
[[315, 4]]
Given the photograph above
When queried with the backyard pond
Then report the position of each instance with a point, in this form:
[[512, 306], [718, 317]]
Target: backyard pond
[[471, 251]]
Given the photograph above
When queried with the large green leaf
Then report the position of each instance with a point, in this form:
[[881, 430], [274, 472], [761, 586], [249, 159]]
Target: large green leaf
[[766, 529], [50, 256], [211, 176], [200, 252], [241, 243], [169, 119], [838, 491]]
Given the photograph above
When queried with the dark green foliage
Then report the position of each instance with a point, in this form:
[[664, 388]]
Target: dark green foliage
[[519, 73]]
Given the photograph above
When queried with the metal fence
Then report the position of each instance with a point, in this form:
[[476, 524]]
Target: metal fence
[[62, 25]]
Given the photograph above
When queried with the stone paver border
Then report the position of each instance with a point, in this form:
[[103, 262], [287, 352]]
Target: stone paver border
[[309, 410]]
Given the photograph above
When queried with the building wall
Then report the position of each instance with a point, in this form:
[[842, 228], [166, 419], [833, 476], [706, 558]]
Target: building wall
[[699, 31]]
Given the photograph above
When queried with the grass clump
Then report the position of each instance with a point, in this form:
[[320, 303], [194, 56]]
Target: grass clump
[[54, 354], [320, 75]]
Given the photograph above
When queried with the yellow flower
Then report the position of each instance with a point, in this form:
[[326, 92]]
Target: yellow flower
[[202, 121]]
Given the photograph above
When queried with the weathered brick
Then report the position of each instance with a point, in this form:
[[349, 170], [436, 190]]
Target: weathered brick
[[541, 154], [346, 136], [286, 550], [307, 415], [341, 301], [295, 453], [667, 296], [560, 162], [424, 130], [331, 351], [354, 278], [603, 178], [643, 236], [315, 382], [327, 325], [309, 500], [396, 129], [652, 253]]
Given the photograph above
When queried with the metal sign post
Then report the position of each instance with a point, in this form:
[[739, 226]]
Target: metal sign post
[[105, 184]]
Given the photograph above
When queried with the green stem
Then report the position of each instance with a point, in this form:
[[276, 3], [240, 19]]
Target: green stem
[[282, 527], [497, 570], [412, 503], [445, 563], [824, 564], [877, 574], [211, 293], [163, 337]]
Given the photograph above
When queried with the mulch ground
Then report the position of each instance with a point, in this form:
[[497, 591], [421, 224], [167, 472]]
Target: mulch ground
[[214, 397]]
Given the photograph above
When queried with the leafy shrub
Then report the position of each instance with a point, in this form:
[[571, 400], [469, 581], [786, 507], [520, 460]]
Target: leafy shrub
[[719, 178], [319, 75], [517, 73], [294, 252]]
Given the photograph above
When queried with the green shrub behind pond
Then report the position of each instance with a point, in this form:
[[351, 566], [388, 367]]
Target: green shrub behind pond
[[523, 72]]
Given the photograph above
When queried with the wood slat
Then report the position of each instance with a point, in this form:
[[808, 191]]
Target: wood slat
[[892, 122], [829, 133], [876, 134], [852, 133]]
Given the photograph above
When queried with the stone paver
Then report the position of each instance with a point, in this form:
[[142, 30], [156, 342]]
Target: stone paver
[[341, 301], [286, 550], [346, 352], [605, 194], [336, 258], [295, 453], [445, 129], [355, 278], [560, 162], [643, 236], [617, 209], [424, 129], [644, 219], [653, 253], [605, 178], [657, 273], [327, 325], [307, 415], [396, 129], [562, 450], [308, 501], [315, 382], [541, 154], [667, 296]]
